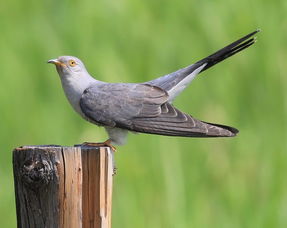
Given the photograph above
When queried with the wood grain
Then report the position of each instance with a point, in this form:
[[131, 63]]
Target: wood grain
[[63, 186]]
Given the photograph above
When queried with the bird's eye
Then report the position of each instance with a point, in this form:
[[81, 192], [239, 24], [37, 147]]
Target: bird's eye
[[72, 63]]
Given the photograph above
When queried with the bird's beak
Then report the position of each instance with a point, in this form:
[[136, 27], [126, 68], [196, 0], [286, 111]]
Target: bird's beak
[[56, 62]]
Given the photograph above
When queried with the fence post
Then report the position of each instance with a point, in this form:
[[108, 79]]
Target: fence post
[[59, 187]]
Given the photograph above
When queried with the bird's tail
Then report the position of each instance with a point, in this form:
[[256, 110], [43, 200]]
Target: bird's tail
[[178, 80], [228, 51]]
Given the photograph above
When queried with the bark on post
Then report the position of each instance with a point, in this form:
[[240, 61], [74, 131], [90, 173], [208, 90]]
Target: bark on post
[[61, 187]]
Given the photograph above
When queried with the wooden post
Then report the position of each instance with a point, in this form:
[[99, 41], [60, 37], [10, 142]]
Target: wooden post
[[63, 187]]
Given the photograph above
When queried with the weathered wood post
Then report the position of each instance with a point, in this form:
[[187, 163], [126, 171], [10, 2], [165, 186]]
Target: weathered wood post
[[59, 187]]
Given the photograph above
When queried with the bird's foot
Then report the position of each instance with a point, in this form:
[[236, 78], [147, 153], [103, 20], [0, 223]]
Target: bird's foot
[[107, 143]]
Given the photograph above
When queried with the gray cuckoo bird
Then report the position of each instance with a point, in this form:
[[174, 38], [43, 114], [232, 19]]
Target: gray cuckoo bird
[[141, 107]]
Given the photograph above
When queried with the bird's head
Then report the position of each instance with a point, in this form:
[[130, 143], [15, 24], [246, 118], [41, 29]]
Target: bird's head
[[69, 66]]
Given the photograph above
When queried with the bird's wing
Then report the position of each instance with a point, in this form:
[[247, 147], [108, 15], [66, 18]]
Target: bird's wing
[[144, 108], [174, 83], [113, 104]]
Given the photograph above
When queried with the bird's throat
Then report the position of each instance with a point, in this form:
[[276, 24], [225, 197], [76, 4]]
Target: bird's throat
[[74, 87]]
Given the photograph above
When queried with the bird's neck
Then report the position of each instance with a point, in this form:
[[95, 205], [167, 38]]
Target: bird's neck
[[74, 88]]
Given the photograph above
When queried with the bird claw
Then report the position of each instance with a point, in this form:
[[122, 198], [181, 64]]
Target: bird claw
[[106, 143]]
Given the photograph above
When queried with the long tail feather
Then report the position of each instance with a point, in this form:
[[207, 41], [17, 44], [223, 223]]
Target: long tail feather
[[172, 80], [228, 51]]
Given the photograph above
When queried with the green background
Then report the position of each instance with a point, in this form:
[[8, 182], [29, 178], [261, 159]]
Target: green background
[[161, 181]]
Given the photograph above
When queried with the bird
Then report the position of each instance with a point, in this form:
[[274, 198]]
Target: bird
[[142, 107]]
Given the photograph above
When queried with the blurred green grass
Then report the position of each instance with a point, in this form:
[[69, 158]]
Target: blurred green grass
[[161, 182]]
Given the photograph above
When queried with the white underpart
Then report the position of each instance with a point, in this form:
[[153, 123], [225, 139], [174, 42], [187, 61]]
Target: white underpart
[[176, 90], [117, 135]]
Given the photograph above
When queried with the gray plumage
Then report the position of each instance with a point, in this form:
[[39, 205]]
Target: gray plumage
[[145, 107]]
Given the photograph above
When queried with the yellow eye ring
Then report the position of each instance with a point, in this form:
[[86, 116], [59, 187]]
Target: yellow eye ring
[[72, 63]]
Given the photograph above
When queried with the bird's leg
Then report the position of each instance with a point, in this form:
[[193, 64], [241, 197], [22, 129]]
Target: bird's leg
[[105, 143]]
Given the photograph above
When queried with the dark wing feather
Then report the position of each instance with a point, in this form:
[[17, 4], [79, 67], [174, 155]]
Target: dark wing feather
[[144, 108], [176, 123]]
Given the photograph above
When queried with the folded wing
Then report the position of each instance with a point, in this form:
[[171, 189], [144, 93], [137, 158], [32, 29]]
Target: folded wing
[[144, 108]]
